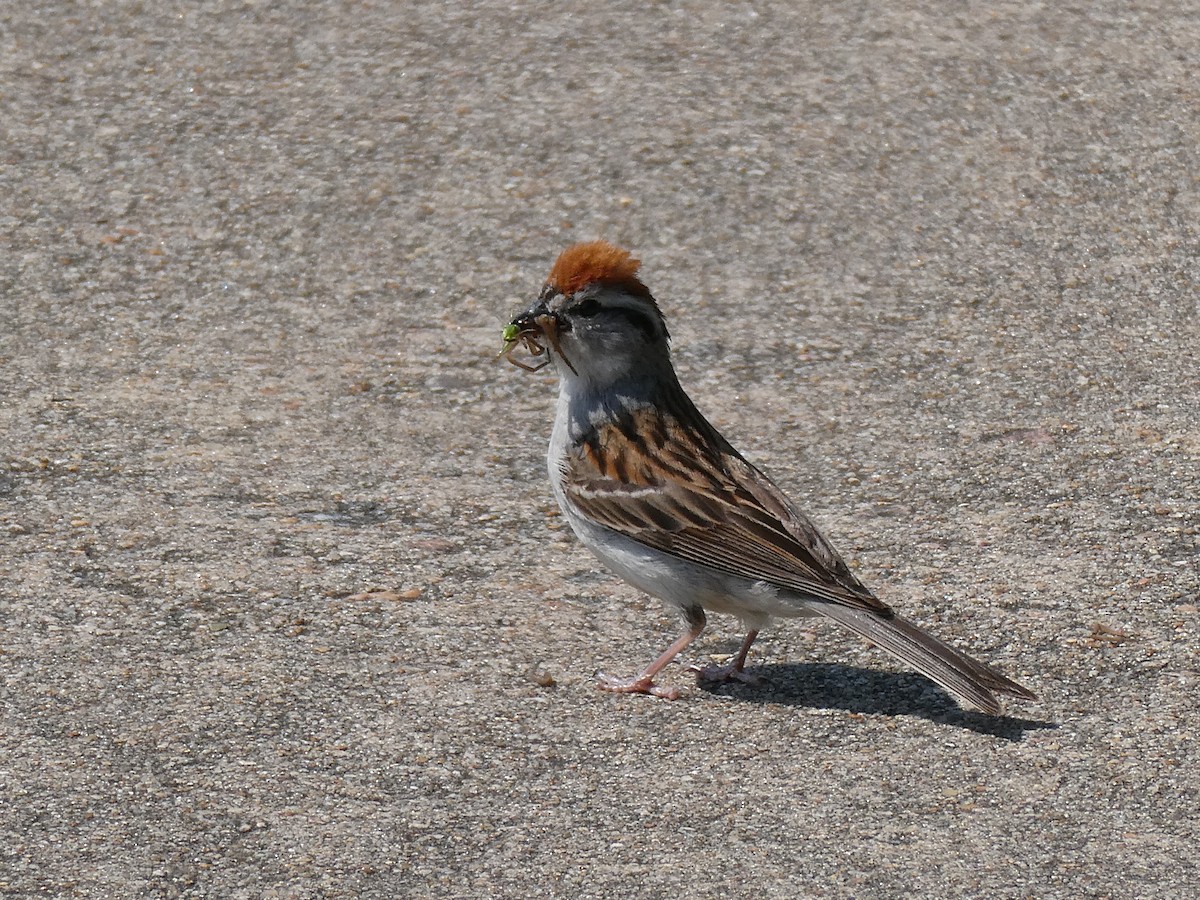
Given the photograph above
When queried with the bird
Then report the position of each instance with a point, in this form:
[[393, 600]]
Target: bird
[[663, 500]]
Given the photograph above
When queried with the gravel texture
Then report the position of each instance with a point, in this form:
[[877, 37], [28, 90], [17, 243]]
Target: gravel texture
[[286, 608]]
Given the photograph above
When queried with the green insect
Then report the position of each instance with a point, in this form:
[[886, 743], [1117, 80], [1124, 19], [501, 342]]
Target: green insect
[[513, 336]]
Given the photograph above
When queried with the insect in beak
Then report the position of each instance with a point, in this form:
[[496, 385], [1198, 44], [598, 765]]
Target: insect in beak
[[515, 335], [529, 330]]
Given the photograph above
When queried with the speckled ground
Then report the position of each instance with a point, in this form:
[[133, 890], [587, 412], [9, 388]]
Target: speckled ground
[[286, 609]]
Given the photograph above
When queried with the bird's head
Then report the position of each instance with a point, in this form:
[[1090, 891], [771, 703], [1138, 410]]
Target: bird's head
[[594, 319]]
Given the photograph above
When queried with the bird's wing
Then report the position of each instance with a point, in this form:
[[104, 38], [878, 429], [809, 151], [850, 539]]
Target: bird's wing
[[688, 493]]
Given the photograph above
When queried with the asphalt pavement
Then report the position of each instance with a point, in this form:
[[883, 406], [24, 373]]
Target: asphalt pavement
[[286, 606]]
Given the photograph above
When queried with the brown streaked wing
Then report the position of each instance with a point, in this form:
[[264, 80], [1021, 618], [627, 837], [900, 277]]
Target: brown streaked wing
[[730, 517]]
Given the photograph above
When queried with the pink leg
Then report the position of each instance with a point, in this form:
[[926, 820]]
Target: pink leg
[[644, 683], [734, 670]]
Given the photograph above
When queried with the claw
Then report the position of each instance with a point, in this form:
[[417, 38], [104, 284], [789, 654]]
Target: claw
[[720, 674], [640, 685]]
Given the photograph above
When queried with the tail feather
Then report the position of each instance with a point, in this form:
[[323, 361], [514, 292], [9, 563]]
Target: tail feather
[[974, 681]]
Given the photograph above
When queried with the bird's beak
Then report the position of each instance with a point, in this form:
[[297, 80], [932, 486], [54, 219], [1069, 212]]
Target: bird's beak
[[535, 324], [533, 321]]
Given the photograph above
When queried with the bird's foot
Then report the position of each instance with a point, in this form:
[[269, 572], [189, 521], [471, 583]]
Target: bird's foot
[[721, 674], [643, 684]]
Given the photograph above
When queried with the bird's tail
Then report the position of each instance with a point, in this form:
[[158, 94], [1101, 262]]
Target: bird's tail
[[973, 681]]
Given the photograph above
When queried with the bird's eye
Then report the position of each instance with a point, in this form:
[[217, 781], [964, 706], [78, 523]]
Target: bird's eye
[[588, 307]]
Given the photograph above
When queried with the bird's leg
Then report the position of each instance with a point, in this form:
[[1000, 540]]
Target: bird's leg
[[734, 670], [644, 683]]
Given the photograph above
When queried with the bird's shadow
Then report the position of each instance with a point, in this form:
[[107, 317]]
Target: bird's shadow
[[869, 692]]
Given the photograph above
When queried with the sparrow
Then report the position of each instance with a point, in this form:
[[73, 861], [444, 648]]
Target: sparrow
[[664, 501]]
